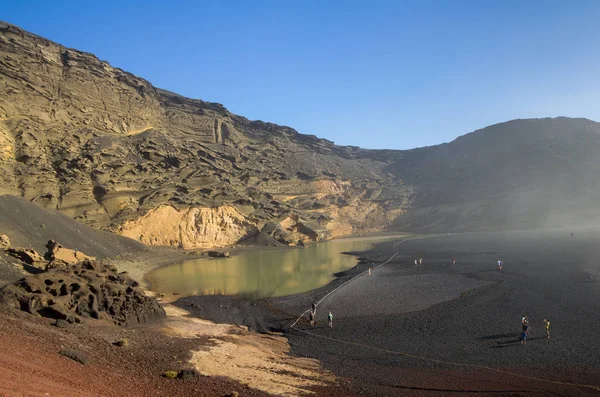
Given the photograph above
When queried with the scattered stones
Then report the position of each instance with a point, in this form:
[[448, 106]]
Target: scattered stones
[[75, 355], [87, 290]]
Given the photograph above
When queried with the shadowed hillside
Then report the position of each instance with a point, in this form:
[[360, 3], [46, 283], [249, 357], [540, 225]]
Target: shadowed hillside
[[513, 175], [107, 148]]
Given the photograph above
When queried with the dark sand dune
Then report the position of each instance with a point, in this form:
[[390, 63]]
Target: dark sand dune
[[467, 314], [29, 225]]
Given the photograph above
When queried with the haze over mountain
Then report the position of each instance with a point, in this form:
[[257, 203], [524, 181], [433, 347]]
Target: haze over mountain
[[109, 149]]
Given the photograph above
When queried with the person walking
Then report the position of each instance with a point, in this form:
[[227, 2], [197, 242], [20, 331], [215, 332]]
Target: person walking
[[314, 307], [416, 262], [312, 318], [525, 329], [500, 264], [330, 320], [420, 261], [524, 334], [547, 327], [453, 261]]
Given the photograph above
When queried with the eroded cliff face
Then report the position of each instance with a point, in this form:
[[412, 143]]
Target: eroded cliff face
[[109, 149], [189, 228]]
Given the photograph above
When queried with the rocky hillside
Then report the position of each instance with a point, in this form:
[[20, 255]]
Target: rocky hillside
[[514, 175], [110, 150]]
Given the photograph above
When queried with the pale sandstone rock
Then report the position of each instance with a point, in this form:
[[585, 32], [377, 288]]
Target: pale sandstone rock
[[4, 241], [60, 256], [27, 255], [189, 228]]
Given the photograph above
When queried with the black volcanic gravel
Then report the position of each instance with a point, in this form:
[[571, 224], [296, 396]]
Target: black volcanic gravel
[[547, 274]]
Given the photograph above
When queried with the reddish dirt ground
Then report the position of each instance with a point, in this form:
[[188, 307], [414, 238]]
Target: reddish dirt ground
[[31, 366]]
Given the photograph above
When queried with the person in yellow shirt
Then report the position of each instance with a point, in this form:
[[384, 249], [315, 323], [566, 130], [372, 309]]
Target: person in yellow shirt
[[547, 327]]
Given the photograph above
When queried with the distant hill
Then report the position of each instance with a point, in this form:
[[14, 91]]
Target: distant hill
[[110, 150], [519, 174]]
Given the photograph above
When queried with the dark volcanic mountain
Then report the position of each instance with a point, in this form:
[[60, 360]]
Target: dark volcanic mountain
[[514, 175], [109, 149]]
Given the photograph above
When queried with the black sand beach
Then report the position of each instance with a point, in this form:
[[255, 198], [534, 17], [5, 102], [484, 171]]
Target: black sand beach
[[443, 329], [469, 313]]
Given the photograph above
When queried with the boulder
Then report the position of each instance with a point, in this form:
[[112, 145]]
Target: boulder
[[121, 342], [75, 355], [59, 256], [218, 254], [4, 241], [188, 374], [26, 255], [61, 323], [262, 239], [277, 232]]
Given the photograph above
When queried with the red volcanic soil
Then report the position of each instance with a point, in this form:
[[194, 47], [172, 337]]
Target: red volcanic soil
[[30, 364]]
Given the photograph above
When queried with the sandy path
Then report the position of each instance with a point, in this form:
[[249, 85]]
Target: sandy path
[[260, 361]]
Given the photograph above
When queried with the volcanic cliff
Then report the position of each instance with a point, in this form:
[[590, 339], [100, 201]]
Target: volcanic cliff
[[107, 148]]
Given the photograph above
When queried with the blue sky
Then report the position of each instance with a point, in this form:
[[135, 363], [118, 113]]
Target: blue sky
[[378, 74]]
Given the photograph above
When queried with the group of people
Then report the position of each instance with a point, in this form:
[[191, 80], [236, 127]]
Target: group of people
[[419, 262], [527, 329], [313, 315]]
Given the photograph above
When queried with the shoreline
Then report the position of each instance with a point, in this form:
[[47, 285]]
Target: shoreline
[[444, 298], [210, 317], [140, 265], [258, 314]]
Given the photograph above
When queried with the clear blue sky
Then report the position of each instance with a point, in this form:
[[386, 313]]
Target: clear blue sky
[[377, 74]]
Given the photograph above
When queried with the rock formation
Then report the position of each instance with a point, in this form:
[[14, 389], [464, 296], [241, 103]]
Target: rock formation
[[107, 148], [85, 290], [59, 256], [26, 255], [4, 241]]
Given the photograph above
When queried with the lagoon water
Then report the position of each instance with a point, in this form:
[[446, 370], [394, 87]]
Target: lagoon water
[[264, 273]]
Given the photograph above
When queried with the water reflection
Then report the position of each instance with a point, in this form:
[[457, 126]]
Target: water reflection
[[261, 273]]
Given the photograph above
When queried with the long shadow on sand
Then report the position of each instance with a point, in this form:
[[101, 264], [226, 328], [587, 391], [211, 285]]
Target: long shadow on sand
[[516, 342], [499, 336], [487, 392]]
